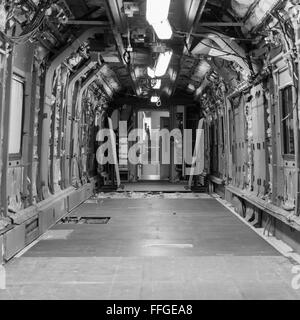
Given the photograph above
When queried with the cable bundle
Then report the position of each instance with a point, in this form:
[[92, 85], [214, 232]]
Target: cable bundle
[[32, 28]]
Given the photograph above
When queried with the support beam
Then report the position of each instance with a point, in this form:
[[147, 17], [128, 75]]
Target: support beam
[[118, 25], [193, 17], [221, 24], [88, 23], [197, 149], [114, 148], [87, 83], [46, 108], [90, 64], [196, 16], [74, 150], [117, 17], [6, 98]]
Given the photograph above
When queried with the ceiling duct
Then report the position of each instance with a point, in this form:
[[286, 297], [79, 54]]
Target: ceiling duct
[[217, 45], [242, 7], [253, 11]]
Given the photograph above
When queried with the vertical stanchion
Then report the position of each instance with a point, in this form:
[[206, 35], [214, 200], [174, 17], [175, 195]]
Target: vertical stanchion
[[6, 121], [114, 149], [196, 152]]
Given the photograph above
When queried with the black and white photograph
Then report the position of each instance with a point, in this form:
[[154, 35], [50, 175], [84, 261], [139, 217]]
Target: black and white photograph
[[149, 154]]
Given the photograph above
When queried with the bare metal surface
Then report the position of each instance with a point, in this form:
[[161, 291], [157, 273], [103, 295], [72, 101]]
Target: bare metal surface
[[159, 249]]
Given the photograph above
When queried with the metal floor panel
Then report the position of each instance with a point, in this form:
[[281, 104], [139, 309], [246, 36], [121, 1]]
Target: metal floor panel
[[134, 224], [152, 249]]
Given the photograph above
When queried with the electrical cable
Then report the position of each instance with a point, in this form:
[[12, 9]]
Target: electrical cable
[[202, 34], [222, 50], [31, 29], [225, 52], [236, 53], [248, 61], [283, 31]]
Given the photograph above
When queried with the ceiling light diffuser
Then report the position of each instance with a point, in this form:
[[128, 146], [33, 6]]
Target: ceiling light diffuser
[[154, 99], [150, 72], [162, 63], [157, 84], [157, 15], [163, 29], [157, 10]]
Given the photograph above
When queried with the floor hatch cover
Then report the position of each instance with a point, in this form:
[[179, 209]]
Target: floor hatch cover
[[85, 220]]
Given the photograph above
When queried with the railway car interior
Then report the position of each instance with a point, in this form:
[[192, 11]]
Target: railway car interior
[[149, 149]]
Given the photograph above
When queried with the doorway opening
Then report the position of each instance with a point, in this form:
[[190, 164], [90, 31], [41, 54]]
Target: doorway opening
[[153, 168]]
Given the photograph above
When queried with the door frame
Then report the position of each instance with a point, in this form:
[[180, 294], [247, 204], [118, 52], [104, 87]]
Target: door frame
[[139, 166]]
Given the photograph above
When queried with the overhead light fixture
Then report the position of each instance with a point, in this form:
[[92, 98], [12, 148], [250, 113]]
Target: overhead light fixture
[[191, 87], [157, 84], [162, 63], [172, 74], [157, 10], [150, 72], [138, 91], [154, 99], [157, 15], [163, 29]]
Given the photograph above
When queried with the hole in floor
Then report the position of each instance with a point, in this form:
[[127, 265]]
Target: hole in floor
[[84, 220]]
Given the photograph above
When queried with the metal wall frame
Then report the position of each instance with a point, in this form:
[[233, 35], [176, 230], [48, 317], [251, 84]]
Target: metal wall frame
[[46, 104], [69, 120], [74, 154], [3, 75], [6, 114]]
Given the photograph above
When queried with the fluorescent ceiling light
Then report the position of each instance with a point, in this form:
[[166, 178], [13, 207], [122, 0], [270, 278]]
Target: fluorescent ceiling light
[[138, 91], [157, 10], [139, 72], [157, 84], [163, 29], [191, 87], [173, 75], [150, 72], [154, 99], [162, 63]]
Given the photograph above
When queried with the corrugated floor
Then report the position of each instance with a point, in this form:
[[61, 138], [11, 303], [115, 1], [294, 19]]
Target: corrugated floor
[[152, 248]]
